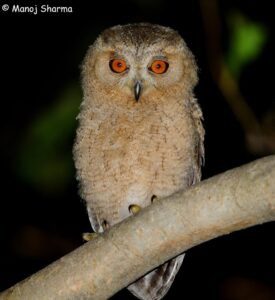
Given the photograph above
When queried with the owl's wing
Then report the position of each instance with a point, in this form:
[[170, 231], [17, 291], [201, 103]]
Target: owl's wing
[[156, 284], [198, 118]]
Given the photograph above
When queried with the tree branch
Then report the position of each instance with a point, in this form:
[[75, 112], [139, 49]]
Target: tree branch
[[231, 201]]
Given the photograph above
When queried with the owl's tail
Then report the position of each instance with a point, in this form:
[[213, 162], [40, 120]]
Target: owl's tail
[[156, 284]]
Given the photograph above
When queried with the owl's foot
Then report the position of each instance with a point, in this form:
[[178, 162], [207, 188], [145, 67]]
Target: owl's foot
[[134, 209], [88, 236]]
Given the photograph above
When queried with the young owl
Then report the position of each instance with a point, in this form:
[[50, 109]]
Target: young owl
[[140, 135]]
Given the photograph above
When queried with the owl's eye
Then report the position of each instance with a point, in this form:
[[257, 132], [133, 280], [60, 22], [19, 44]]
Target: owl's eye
[[159, 66], [118, 65]]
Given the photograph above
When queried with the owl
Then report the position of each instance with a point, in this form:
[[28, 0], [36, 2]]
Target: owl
[[140, 135]]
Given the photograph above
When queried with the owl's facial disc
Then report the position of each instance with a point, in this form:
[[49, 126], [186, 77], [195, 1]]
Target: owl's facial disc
[[132, 71], [139, 74]]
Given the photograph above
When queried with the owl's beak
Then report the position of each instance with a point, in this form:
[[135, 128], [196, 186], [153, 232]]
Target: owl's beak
[[137, 90]]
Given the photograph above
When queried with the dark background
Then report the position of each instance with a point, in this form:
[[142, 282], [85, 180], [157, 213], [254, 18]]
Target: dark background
[[42, 216]]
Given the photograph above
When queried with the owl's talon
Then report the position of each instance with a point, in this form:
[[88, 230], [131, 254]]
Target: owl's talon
[[154, 198], [134, 209], [105, 225], [88, 236]]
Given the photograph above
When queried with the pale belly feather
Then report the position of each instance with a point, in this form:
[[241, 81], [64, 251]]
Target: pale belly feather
[[131, 163]]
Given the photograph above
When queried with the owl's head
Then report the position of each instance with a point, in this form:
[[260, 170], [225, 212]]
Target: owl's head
[[137, 63]]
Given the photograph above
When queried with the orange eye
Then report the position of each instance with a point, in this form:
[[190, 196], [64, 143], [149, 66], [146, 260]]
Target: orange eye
[[159, 66], [118, 65]]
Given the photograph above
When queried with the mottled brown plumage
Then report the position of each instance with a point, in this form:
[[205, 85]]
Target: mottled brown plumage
[[128, 151]]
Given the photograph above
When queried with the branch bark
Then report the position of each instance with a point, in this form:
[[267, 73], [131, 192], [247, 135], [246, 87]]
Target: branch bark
[[231, 201]]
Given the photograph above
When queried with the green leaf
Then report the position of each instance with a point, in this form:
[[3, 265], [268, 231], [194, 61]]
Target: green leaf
[[45, 157], [247, 39]]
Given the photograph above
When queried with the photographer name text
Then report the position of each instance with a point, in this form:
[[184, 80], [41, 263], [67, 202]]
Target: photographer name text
[[36, 9]]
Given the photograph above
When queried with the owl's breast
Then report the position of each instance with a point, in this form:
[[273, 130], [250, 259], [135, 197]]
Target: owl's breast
[[128, 160]]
